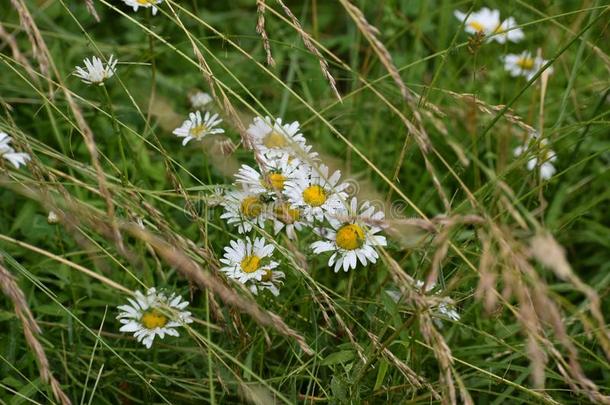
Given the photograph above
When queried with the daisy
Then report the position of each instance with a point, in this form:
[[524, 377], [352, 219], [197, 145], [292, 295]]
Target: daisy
[[524, 64], [352, 238], [247, 261], [144, 4], [317, 194], [8, 153], [243, 208], [278, 172], [487, 22], [271, 280], [507, 31], [285, 216], [200, 99], [274, 139], [153, 314], [543, 156], [95, 72], [196, 128]]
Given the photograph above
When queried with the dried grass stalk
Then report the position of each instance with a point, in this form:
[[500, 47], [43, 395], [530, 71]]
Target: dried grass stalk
[[11, 290], [260, 28]]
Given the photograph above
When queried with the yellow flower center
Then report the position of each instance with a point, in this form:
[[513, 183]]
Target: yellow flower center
[[287, 215], [275, 140], [267, 276], [314, 195], [199, 130], [145, 2], [476, 25], [251, 207], [274, 181], [250, 264], [152, 319], [526, 63], [350, 237]]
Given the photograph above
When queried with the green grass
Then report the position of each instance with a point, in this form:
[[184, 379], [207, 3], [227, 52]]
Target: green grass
[[74, 273]]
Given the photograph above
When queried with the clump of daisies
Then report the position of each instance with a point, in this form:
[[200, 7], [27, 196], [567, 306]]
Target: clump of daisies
[[153, 314], [95, 72], [487, 22], [8, 153], [288, 192]]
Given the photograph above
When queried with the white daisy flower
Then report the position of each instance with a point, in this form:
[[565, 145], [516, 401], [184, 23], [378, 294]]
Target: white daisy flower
[[352, 237], [95, 72], [200, 99], [271, 281], [507, 31], [487, 22], [543, 156], [144, 4], [196, 128], [274, 139], [244, 208], [445, 309], [278, 172], [317, 194], [287, 217], [153, 314], [245, 261], [8, 153], [524, 64]]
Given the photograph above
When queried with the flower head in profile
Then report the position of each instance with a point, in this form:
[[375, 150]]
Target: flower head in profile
[[153, 314], [539, 155], [278, 172], [200, 99], [524, 64], [196, 127], [246, 260], [487, 22], [136, 4], [271, 281], [8, 153], [288, 218], [244, 208], [353, 237], [316, 193], [95, 72], [275, 139]]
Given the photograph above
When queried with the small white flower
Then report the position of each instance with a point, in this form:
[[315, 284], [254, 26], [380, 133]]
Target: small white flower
[[540, 150], [8, 153], [243, 208], [95, 72], [153, 314], [52, 218], [196, 128], [487, 22], [524, 64], [274, 139], [200, 99], [278, 172], [317, 194], [144, 4], [507, 31], [352, 238], [245, 261], [271, 281], [287, 217], [445, 309]]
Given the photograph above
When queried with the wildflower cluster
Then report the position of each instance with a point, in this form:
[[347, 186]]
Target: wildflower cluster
[[487, 23], [292, 191]]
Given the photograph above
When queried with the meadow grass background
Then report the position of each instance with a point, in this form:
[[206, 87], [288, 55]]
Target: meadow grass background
[[541, 339]]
